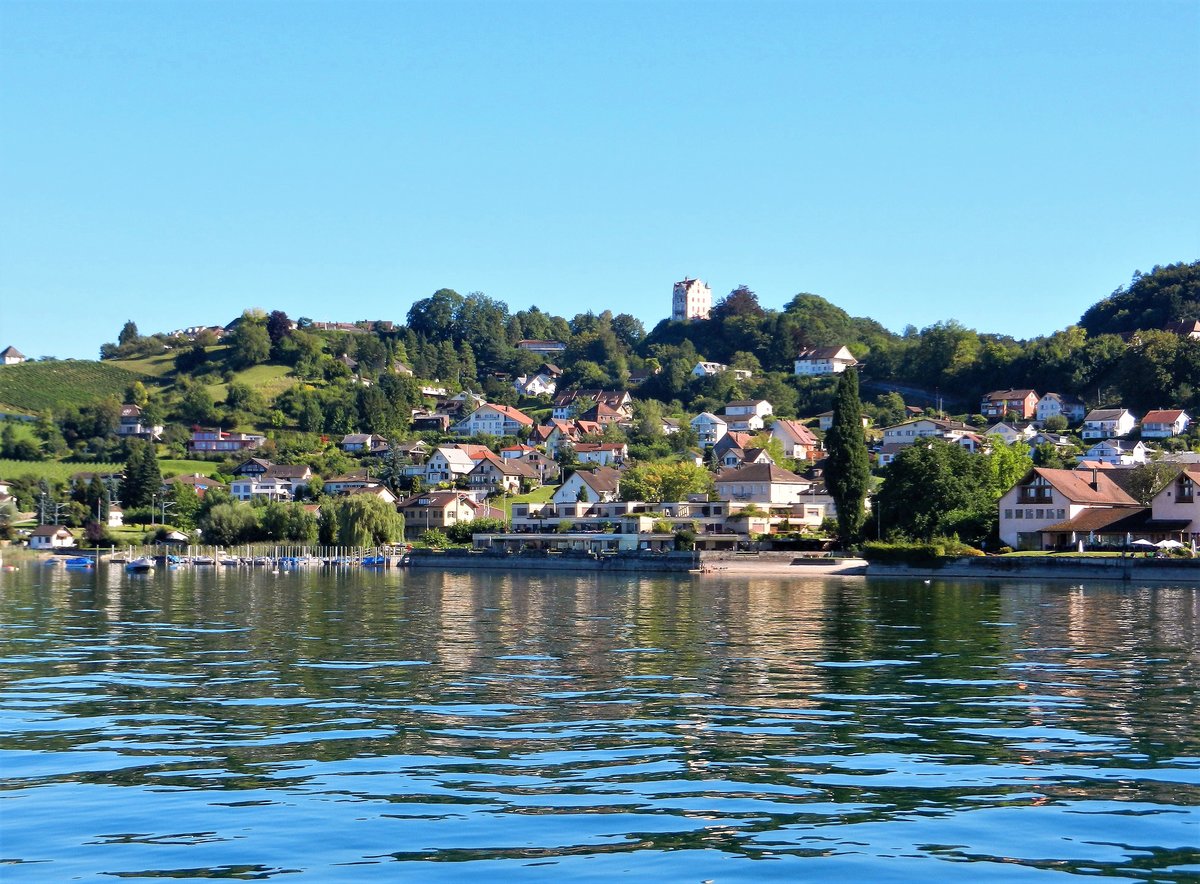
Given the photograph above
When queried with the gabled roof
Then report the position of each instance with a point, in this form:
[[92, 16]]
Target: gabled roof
[[435, 498], [1093, 488], [1009, 394], [816, 354], [282, 471], [1105, 414], [509, 412], [11, 352], [796, 430], [761, 472], [1163, 417], [603, 480], [50, 531], [130, 411]]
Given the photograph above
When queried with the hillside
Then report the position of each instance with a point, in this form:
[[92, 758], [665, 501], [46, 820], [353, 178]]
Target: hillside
[[1164, 295], [57, 384]]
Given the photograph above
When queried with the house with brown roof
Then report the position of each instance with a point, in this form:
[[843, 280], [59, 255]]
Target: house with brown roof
[[363, 443], [570, 403], [1177, 504], [11, 356], [761, 483], [435, 509], [1060, 502], [1165, 424], [492, 474], [998, 403], [51, 537], [799, 442], [599, 485]]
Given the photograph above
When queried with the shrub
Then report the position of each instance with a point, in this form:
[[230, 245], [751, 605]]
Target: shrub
[[919, 552]]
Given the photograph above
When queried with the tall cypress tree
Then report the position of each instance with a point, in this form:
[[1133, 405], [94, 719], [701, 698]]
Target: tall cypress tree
[[848, 469]]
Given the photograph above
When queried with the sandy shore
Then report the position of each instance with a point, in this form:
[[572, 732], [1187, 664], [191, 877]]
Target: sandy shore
[[751, 566]]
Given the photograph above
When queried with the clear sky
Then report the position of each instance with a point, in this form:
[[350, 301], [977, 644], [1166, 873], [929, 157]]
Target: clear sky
[[1005, 164]]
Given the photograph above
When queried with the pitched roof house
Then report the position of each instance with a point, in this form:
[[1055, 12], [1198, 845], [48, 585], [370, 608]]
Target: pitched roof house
[[1107, 423], [824, 360], [600, 485], [1045, 498], [1057, 404], [11, 356], [51, 537], [763, 483], [491, 419], [998, 403], [1164, 424], [709, 428]]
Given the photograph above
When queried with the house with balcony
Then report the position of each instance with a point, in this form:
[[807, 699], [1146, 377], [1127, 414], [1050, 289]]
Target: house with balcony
[[493, 420], [494, 474], [220, 442], [708, 428], [1000, 403], [761, 483], [746, 415], [1062, 503], [132, 425], [435, 509], [573, 403], [1165, 424], [1176, 506], [602, 454], [1107, 423], [548, 349], [448, 463]]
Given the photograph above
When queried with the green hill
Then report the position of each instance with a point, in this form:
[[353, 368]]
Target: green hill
[[56, 384]]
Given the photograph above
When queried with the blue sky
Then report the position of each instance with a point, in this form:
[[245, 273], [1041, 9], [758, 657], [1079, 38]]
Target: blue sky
[[1005, 164]]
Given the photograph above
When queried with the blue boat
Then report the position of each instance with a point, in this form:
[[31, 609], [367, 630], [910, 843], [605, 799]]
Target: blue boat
[[80, 562], [376, 561]]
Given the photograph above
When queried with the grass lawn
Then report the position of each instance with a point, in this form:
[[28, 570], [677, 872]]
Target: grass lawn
[[152, 366], [538, 495], [268, 380], [170, 467]]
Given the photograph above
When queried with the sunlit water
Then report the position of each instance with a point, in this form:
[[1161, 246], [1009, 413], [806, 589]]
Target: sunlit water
[[416, 726]]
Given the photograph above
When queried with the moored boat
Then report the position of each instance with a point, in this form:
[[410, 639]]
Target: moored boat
[[140, 564]]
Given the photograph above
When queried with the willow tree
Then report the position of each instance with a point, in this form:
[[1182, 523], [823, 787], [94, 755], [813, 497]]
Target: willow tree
[[847, 469]]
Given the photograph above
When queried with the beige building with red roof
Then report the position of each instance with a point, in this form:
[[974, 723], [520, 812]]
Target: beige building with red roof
[[1060, 501]]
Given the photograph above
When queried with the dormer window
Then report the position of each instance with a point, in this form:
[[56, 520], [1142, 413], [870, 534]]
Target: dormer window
[[1184, 489]]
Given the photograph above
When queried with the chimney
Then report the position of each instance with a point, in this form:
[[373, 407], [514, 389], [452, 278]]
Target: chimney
[[1095, 479]]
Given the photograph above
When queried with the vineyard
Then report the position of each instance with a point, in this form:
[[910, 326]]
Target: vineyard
[[53, 470], [56, 384]]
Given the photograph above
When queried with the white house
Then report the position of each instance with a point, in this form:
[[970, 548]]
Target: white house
[[601, 453], [493, 420], [761, 483], [1009, 433], [799, 442], [1164, 424], [537, 384], [709, 428], [51, 537], [1058, 405], [360, 443], [1107, 423], [747, 415], [1117, 452], [1179, 503], [11, 356], [447, 464], [824, 360], [601, 485], [133, 425]]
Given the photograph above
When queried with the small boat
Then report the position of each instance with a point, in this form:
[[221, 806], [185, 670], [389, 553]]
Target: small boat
[[80, 562], [376, 561], [140, 565], [202, 560]]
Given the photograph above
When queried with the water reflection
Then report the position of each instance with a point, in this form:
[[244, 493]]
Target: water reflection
[[222, 724]]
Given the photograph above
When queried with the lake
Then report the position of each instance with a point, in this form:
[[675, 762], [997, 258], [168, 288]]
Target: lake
[[351, 726]]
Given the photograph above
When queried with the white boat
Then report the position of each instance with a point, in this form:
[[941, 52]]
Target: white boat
[[143, 563]]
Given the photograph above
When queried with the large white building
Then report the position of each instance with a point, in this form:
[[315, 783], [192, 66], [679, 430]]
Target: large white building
[[690, 299]]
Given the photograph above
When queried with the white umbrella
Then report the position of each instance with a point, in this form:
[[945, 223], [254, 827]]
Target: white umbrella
[[1141, 541], [1169, 544]]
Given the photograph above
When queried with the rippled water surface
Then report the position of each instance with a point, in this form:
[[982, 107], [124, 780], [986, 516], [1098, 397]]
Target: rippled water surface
[[363, 727]]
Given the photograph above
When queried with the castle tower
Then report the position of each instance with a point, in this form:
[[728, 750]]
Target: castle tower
[[690, 299]]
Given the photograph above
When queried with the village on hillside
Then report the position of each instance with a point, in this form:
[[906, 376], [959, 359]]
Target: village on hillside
[[400, 442]]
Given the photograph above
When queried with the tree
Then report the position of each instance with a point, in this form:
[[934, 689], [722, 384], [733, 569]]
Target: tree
[[143, 479], [129, 334], [361, 520], [1146, 480], [739, 302], [228, 523], [848, 468], [249, 344], [278, 327]]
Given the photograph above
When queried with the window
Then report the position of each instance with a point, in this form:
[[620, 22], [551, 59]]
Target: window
[[1020, 514], [1041, 514], [1008, 514], [1184, 489]]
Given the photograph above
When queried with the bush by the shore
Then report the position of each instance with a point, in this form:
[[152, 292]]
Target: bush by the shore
[[917, 552]]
